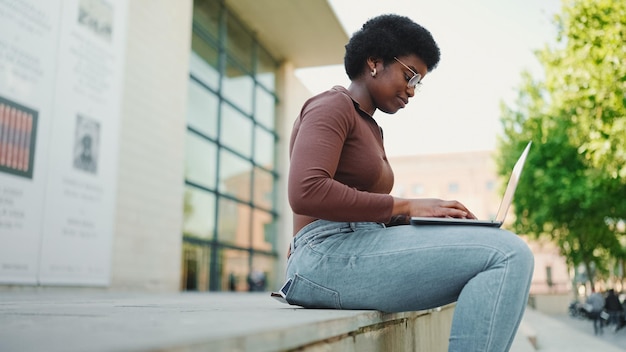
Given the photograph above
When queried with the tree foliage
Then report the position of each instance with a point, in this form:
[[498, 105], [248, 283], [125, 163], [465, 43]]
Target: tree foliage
[[588, 76], [573, 188]]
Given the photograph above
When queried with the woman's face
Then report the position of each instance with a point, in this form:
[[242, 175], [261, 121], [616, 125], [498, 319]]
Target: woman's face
[[389, 89]]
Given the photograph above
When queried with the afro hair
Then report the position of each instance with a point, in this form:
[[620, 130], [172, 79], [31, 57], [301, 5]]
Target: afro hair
[[388, 36]]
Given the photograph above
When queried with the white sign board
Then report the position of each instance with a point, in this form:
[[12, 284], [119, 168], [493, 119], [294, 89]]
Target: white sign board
[[61, 68]]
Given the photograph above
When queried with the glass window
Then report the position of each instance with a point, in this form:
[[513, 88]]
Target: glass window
[[239, 43], [200, 160], [203, 64], [236, 131], [265, 109], [549, 276], [265, 264], [202, 109], [266, 69], [234, 178], [264, 148], [263, 189], [234, 223], [263, 231], [206, 15], [237, 87], [195, 267], [230, 216], [235, 269], [198, 213]]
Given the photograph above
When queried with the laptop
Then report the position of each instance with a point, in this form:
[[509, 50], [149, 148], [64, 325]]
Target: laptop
[[505, 203]]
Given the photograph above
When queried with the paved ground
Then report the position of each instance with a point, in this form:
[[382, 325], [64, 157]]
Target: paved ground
[[562, 333], [617, 339], [53, 321]]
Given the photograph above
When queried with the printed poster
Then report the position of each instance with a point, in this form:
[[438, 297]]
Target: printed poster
[[28, 36], [59, 139]]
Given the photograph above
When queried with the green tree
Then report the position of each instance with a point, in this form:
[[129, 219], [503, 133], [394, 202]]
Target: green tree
[[587, 75], [574, 182]]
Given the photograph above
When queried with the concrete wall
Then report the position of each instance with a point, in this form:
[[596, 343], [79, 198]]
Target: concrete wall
[[147, 243], [345, 331], [414, 331], [287, 112]]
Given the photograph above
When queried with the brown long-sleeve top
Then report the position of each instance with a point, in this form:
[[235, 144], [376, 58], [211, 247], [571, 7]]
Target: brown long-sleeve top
[[339, 170]]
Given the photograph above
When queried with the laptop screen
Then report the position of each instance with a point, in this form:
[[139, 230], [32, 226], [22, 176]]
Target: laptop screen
[[512, 185]]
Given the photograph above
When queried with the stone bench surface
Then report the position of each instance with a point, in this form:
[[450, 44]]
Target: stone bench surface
[[82, 320], [108, 321]]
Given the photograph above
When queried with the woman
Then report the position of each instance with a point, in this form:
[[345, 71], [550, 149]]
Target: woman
[[353, 246]]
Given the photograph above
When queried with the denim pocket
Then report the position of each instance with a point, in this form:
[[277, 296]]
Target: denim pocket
[[308, 294]]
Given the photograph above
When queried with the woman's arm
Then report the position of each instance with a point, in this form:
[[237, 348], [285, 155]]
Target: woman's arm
[[316, 149]]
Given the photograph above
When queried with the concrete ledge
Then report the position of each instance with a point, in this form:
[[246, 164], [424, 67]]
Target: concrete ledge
[[363, 331], [105, 321]]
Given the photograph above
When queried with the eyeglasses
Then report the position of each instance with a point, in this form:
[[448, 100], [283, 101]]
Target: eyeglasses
[[415, 81]]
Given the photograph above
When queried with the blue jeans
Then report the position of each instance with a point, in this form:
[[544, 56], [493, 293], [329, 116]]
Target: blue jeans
[[365, 265]]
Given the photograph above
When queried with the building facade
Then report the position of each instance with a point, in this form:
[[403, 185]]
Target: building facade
[[207, 97], [234, 213]]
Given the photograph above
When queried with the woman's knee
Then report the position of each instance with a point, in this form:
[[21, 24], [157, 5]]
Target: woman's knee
[[520, 252]]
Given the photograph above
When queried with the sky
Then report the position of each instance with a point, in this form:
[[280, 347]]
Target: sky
[[485, 46]]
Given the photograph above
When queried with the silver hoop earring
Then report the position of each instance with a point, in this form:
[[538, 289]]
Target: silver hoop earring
[[374, 72]]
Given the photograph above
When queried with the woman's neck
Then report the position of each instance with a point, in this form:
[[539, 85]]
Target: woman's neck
[[361, 95]]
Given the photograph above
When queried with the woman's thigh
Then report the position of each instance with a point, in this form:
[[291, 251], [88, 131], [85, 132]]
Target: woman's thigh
[[401, 268]]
